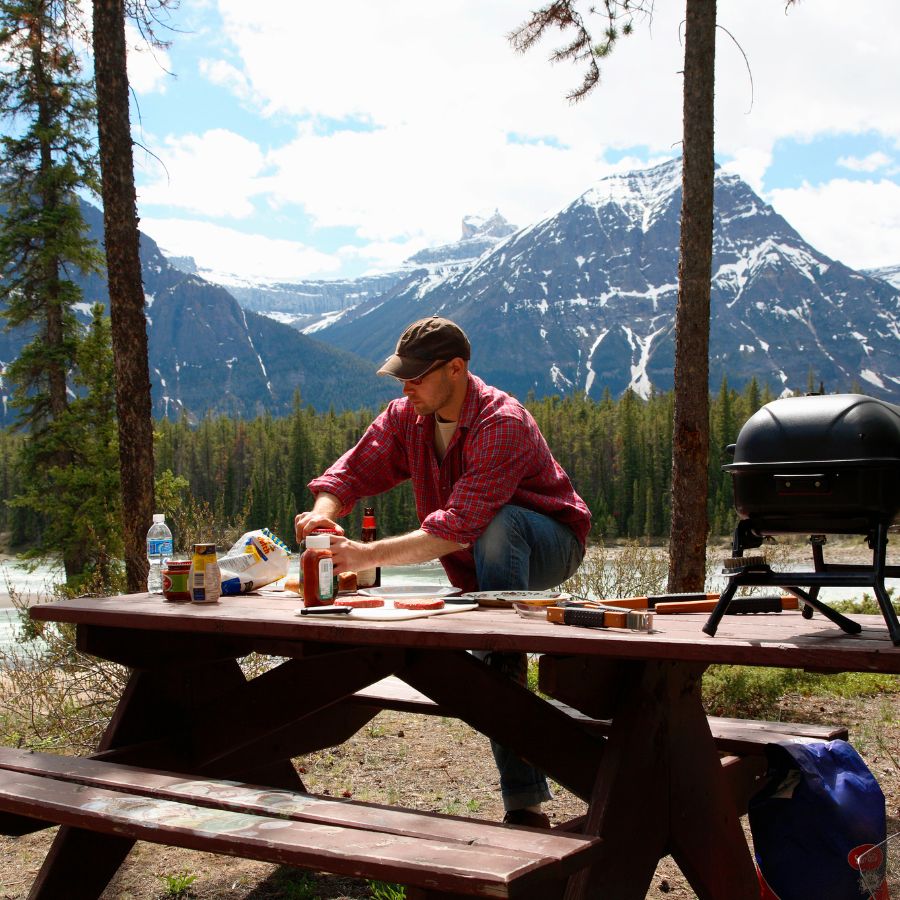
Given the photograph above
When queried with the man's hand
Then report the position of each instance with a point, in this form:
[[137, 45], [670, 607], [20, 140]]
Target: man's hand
[[321, 515], [306, 522], [350, 556]]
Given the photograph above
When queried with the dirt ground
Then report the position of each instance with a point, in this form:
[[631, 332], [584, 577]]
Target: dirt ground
[[430, 764]]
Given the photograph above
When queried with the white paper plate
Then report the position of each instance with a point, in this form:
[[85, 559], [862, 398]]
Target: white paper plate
[[507, 598], [407, 591]]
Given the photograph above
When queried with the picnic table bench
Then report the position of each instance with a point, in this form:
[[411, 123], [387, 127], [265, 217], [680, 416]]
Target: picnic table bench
[[441, 855], [741, 742], [628, 735]]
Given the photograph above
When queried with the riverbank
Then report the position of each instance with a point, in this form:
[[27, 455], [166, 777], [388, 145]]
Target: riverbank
[[32, 582]]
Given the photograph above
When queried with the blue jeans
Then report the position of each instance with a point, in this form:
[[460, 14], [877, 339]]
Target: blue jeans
[[522, 549]]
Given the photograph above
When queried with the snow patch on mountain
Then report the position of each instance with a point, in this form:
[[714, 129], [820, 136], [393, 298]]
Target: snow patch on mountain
[[890, 274]]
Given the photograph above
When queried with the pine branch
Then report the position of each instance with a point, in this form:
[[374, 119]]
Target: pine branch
[[564, 16]]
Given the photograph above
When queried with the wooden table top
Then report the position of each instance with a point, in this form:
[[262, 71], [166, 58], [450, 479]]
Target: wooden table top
[[775, 639]]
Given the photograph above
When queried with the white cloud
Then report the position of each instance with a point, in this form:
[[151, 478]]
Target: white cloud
[[871, 163], [228, 251], [445, 67], [451, 66], [442, 86], [404, 110], [218, 173], [856, 222], [750, 163], [148, 67], [224, 74], [401, 182], [381, 256]]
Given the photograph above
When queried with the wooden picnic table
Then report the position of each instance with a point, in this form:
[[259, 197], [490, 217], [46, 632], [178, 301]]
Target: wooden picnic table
[[654, 785]]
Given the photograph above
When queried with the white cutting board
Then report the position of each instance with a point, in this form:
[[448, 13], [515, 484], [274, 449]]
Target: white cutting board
[[387, 613]]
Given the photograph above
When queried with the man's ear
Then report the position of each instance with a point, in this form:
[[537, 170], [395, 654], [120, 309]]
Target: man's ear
[[457, 367]]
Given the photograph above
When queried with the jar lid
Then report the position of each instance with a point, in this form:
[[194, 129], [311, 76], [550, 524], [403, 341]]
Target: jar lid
[[178, 564], [318, 541]]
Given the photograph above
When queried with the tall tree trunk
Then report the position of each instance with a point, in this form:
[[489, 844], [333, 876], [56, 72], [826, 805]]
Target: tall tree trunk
[[126, 291], [690, 450]]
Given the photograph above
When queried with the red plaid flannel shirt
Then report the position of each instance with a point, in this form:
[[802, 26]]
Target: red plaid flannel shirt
[[497, 456]]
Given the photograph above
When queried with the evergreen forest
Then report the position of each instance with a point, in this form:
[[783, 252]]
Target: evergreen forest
[[250, 474]]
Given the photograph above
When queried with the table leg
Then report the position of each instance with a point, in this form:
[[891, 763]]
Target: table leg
[[79, 865], [660, 789], [154, 703]]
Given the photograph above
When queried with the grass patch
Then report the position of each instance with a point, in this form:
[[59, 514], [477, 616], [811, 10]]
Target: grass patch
[[867, 606], [747, 692], [178, 887], [383, 890]]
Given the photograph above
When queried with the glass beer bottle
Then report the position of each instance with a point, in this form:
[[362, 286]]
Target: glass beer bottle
[[369, 577]]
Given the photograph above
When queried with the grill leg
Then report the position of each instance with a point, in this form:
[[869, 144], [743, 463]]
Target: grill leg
[[817, 541], [832, 615], [884, 600], [712, 623]]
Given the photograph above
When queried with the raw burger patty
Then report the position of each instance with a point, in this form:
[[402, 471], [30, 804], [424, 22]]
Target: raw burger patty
[[419, 604], [359, 602]]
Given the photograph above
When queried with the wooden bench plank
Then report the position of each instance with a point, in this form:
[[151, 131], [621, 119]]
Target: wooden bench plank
[[262, 800], [343, 837], [747, 736]]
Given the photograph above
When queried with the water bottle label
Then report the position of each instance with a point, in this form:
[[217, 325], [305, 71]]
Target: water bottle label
[[157, 547]]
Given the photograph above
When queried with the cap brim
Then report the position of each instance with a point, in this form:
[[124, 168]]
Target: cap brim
[[405, 367]]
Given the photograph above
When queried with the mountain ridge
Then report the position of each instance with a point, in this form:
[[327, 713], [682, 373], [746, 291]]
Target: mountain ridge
[[587, 296], [209, 355]]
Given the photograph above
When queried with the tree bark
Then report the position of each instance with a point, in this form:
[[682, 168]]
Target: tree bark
[[690, 450], [126, 290]]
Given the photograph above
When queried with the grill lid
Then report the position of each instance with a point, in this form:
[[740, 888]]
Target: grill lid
[[822, 428]]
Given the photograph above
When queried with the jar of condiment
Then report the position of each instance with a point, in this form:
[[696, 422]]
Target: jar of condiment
[[206, 579], [317, 570], [175, 578]]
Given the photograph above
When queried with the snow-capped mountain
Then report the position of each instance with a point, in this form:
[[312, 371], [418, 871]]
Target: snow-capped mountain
[[584, 300], [311, 305], [479, 234], [208, 354], [890, 274]]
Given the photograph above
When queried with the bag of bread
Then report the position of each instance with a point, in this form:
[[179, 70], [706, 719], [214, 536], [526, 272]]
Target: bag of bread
[[257, 558]]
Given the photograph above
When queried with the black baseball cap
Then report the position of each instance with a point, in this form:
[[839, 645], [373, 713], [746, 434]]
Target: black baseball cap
[[424, 344]]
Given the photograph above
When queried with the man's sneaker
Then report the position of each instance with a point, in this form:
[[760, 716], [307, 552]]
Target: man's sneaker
[[526, 817]]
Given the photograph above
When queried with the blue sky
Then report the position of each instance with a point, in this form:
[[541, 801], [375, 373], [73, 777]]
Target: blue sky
[[286, 139]]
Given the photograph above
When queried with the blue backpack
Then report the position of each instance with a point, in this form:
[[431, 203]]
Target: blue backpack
[[820, 812]]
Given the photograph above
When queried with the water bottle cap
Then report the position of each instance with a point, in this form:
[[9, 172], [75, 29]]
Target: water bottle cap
[[159, 517]]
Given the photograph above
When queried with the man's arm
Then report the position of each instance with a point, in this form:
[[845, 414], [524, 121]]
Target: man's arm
[[415, 547], [351, 556]]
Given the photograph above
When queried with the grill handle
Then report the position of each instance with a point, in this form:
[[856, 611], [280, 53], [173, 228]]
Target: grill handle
[[806, 484]]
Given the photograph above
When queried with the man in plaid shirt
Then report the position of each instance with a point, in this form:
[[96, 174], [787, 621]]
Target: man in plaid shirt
[[493, 504]]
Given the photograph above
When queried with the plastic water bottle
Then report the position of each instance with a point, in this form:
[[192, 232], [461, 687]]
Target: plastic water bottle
[[159, 549]]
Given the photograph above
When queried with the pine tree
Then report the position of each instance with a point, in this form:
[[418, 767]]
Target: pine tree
[[47, 158], [91, 485]]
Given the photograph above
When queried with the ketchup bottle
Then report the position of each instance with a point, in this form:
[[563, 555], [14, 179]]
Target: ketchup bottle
[[318, 571]]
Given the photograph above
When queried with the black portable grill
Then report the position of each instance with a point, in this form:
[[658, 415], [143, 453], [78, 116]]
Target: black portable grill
[[816, 465]]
